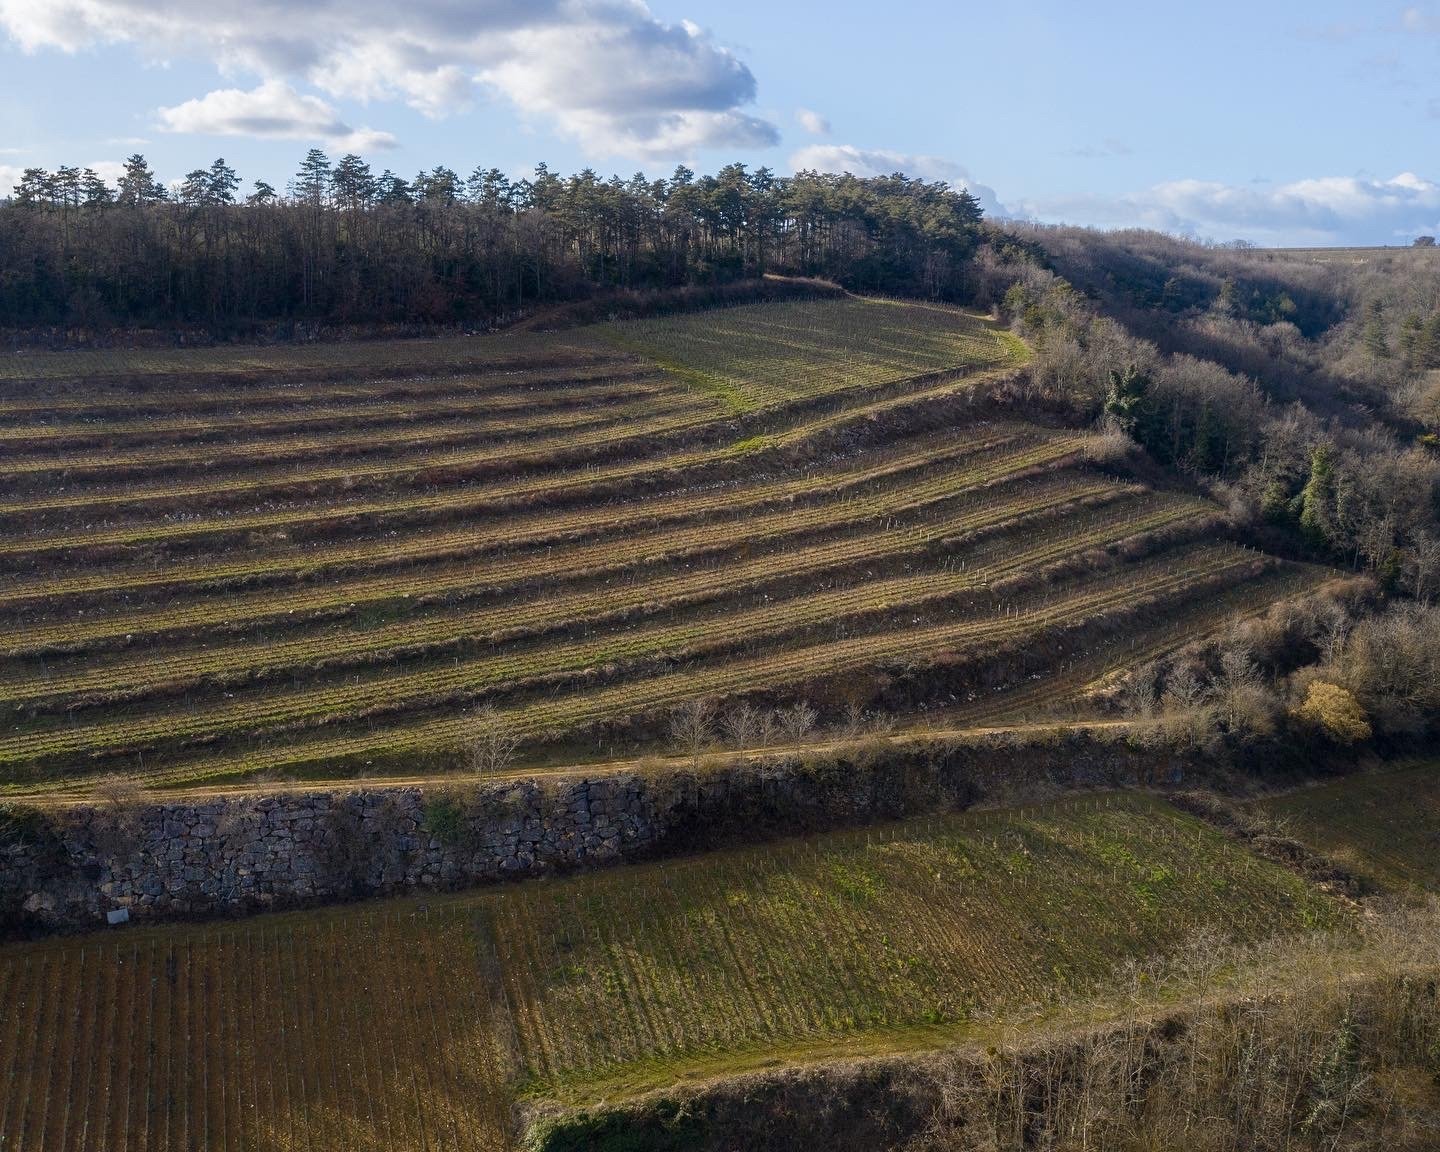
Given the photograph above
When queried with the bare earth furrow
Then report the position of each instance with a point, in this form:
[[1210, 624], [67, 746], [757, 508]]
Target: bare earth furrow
[[394, 549], [370, 698], [180, 668]]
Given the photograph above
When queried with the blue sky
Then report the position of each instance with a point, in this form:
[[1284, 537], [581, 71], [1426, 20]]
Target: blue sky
[[1273, 122]]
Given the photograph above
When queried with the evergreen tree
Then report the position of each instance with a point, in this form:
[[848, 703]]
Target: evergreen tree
[[352, 183], [68, 188], [1317, 500], [221, 184], [194, 191], [36, 187], [1376, 338], [1126, 397], [312, 181], [95, 191], [392, 189], [137, 186]]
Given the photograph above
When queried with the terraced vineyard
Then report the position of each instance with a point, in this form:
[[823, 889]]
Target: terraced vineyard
[[1384, 825], [416, 1025], [218, 564]]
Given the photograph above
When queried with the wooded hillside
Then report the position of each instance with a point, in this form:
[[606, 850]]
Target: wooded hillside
[[346, 246]]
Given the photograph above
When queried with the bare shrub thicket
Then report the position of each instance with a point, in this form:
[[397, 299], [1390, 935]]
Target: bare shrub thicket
[[1316, 1044], [1334, 671], [1391, 662], [117, 814]]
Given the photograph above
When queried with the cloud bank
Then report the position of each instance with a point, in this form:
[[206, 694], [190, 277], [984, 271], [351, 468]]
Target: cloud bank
[[1322, 210], [607, 73]]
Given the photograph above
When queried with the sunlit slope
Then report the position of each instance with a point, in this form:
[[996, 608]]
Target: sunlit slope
[[262, 567]]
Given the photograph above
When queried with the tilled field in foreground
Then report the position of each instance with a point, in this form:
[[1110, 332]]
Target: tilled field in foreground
[[408, 1024]]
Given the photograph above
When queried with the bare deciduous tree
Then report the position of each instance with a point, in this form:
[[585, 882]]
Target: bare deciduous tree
[[769, 724], [493, 741], [1243, 701], [797, 722], [691, 727], [1424, 563], [1186, 709], [743, 725], [1140, 696], [860, 723], [853, 726]]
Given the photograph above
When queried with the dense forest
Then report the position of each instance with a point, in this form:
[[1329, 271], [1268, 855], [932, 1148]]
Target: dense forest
[[346, 246], [1302, 389]]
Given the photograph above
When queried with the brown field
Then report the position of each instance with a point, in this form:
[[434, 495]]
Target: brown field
[[225, 563]]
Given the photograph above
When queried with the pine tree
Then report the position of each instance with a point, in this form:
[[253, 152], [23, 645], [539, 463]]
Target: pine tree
[[138, 186], [1126, 397], [1317, 500], [221, 184], [1376, 338], [392, 189], [313, 180], [195, 189], [353, 183], [96, 192], [36, 187]]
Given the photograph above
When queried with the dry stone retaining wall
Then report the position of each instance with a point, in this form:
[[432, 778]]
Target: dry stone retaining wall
[[67, 869]]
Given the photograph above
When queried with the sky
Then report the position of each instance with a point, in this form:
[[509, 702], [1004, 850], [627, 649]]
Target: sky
[[1269, 121]]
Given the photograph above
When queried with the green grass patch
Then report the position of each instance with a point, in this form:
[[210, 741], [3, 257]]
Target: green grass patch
[[759, 355], [1383, 825]]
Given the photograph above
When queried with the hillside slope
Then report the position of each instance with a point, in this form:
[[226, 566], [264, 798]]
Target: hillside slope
[[224, 564]]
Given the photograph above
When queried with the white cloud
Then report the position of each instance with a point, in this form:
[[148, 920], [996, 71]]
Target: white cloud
[[273, 110], [606, 72], [813, 122], [883, 162], [9, 176], [1320, 210], [108, 170]]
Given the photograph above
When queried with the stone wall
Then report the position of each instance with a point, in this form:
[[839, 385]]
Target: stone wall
[[69, 868]]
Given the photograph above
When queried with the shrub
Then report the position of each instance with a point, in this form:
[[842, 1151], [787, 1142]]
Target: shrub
[[444, 819], [21, 825], [1335, 711]]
